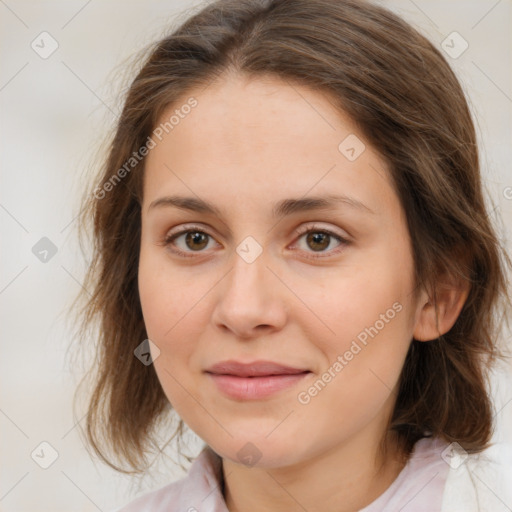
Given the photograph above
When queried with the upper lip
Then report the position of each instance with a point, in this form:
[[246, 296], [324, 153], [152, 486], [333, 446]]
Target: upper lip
[[254, 369]]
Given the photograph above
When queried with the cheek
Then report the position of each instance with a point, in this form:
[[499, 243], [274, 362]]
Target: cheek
[[366, 311], [174, 310], [165, 296], [364, 358], [359, 303], [164, 307], [364, 363]]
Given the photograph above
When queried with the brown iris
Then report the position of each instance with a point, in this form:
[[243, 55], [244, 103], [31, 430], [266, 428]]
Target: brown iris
[[321, 240], [196, 237]]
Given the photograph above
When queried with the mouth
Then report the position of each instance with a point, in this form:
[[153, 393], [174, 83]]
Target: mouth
[[254, 381]]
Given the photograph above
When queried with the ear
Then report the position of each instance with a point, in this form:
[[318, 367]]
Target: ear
[[438, 314]]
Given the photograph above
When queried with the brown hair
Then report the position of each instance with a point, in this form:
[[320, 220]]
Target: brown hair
[[409, 106]]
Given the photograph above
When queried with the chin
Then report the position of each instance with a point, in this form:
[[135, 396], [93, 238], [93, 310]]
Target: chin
[[258, 451]]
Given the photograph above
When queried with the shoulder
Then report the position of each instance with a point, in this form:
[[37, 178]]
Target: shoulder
[[442, 477], [156, 501], [198, 491], [479, 482]]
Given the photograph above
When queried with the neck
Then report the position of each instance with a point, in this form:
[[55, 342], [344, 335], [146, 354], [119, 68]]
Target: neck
[[344, 478]]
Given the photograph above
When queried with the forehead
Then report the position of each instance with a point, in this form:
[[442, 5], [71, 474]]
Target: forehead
[[260, 113], [261, 139]]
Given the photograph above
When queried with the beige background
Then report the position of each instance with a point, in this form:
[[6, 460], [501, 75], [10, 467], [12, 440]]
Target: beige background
[[54, 113]]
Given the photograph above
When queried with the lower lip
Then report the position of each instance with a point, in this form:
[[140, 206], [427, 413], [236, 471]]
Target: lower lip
[[255, 388]]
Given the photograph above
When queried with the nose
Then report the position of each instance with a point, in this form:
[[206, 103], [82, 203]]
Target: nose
[[250, 300]]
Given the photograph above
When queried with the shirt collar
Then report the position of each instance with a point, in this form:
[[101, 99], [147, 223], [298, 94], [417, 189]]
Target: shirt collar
[[203, 487]]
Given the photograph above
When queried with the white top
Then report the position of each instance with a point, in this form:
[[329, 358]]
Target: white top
[[438, 477]]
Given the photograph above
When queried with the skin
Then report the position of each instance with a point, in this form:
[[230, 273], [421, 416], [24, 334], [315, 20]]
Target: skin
[[247, 145]]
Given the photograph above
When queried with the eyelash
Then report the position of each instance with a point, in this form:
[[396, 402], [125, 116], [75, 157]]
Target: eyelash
[[168, 240]]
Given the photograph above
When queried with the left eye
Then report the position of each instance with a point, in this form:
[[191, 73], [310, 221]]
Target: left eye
[[319, 241]]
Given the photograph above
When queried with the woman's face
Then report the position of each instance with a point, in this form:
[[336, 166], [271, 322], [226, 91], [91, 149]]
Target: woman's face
[[262, 281]]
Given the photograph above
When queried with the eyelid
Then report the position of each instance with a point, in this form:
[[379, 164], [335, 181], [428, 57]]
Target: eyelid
[[183, 228], [316, 227], [299, 231]]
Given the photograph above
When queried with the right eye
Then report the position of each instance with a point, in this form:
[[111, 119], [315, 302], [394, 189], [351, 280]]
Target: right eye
[[195, 240]]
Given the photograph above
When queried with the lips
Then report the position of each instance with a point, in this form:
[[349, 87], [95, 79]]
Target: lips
[[259, 380], [254, 369]]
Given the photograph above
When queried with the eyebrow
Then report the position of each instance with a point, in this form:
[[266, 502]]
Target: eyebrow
[[281, 209]]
